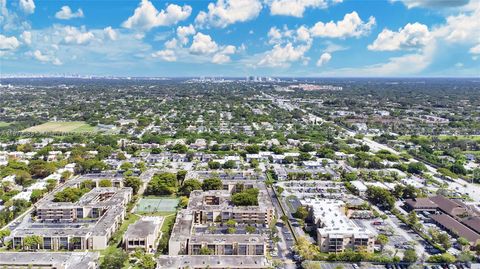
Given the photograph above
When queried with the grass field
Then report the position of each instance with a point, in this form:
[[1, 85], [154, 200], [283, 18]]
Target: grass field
[[65, 127], [4, 124], [444, 137]]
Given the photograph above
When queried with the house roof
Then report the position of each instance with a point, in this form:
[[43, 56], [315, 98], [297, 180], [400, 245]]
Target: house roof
[[456, 227]]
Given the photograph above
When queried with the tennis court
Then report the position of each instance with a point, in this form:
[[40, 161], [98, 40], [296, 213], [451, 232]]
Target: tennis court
[[152, 205]]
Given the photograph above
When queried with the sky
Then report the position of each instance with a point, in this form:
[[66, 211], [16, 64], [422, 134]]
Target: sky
[[284, 38]]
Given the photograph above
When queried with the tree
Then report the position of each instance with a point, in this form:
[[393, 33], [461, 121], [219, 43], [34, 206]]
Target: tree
[[105, 183], [231, 230], [301, 213], [126, 166], [383, 240], [65, 175], [180, 148], [212, 184], [23, 178], [4, 233], [114, 258], [416, 168], [88, 184], [410, 256], [444, 240], [32, 242], [307, 147], [230, 164], [250, 229], [183, 202], [304, 156], [380, 197], [163, 184], [189, 185], [412, 218], [133, 182], [463, 241], [214, 165], [181, 175], [69, 194], [252, 149], [205, 251], [36, 195], [458, 169], [284, 218], [248, 197]]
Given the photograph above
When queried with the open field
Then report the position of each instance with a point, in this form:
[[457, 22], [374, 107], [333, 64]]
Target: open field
[[65, 127], [4, 124], [443, 137]]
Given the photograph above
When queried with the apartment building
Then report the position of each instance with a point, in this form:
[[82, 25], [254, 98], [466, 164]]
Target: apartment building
[[335, 231], [143, 234], [86, 224]]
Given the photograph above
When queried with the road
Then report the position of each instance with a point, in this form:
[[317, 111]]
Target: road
[[284, 245]]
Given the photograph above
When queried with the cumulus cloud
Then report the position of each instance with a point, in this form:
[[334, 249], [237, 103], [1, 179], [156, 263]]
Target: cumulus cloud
[[324, 59], [65, 13], [223, 55], [226, 12], [183, 32], [464, 27], [351, 26], [37, 54], [284, 55], [414, 35], [166, 55], [26, 37], [146, 16], [77, 36], [110, 33], [296, 8], [433, 3], [475, 50], [27, 6], [8, 43], [203, 44]]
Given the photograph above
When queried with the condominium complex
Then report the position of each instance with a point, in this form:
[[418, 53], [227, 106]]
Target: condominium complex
[[335, 231], [201, 228], [86, 224], [143, 234]]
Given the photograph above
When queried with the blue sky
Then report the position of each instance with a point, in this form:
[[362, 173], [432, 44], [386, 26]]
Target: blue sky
[[310, 38]]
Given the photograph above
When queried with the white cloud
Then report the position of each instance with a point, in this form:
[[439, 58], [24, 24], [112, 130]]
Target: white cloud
[[77, 36], [8, 43], [324, 59], [296, 8], [350, 26], [274, 35], [171, 44], [433, 3], [475, 50], [166, 55], [223, 55], [226, 12], [65, 13], [414, 35], [37, 54], [183, 32], [110, 33], [303, 34], [464, 27], [283, 55], [203, 44], [28, 6], [26, 37], [146, 16]]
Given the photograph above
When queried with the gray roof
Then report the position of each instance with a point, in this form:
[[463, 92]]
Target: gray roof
[[219, 261], [74, 260]]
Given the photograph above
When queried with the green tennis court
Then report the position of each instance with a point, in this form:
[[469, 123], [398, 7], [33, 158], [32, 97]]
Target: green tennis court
[[152, 205]]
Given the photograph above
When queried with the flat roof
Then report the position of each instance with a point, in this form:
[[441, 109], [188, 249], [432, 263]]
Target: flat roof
[[144, 227], [214, 261], [77, 260]]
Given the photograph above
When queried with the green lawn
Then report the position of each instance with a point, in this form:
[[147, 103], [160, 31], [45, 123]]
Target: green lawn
[[4, 124], [66, 126]]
